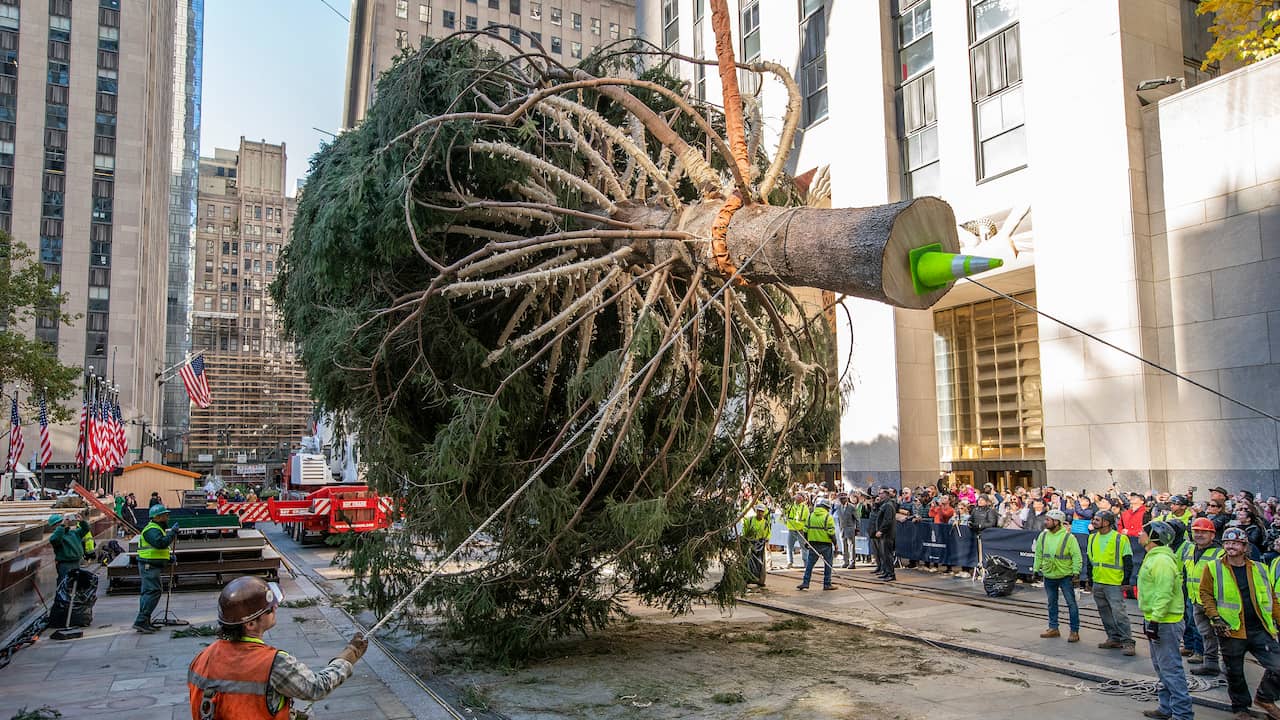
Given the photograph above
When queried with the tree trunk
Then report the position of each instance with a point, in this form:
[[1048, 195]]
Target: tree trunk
[[854, 251]]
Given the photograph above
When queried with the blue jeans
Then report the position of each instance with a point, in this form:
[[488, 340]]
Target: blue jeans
[[794, 538], [1054, 586], [1191, 639], [1173, 696], [827, 550]]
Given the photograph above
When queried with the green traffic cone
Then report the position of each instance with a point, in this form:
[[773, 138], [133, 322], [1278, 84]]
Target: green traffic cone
[[933, 269]]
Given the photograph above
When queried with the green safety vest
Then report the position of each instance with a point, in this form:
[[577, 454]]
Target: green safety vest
[[1194, 570], [1108, 569], [1272, 573], [797, 514], [1185, 518], [824, 530], [1062, 554], [145, 551], [88, 542], [1227, 596], [754, 528]]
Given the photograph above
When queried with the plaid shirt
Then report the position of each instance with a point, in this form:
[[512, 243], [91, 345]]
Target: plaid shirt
[[292, 679]]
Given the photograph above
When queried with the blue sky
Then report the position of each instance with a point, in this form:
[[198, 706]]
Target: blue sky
[[272, 70]]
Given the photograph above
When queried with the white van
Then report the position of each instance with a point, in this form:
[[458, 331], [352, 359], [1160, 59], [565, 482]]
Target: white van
[[21, 484]]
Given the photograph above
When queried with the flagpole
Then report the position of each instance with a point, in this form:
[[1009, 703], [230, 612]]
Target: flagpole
[[168, 373], [9, 467], [44, 466]]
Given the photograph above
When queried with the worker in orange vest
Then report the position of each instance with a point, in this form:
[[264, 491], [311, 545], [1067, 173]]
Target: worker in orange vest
[[239, 677]]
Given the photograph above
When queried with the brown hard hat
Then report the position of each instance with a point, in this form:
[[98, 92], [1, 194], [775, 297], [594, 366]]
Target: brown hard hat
[[244, 599]]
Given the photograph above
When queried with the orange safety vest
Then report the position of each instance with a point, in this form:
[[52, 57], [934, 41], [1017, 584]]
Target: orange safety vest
[[234, 677]]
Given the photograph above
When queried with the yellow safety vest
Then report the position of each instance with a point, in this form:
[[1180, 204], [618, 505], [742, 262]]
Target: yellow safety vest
[[1185, 518], [825, 528], [145, 551], [1108, 565], [754, 528], [1227, 596], [88, 542], [1194, 570], [1273, 573], [797, 514]]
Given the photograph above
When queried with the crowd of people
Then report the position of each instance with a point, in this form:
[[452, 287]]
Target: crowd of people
[[1207, 584]]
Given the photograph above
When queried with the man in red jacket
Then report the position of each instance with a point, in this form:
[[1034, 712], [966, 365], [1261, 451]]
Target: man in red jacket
[[1133, 519]]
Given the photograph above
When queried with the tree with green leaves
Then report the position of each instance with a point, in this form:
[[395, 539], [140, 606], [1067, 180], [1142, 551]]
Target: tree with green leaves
[[1245, 30], [25, 295], [515, 270]]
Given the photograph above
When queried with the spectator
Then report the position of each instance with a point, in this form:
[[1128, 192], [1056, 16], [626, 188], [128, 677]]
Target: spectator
[[942, 512], [1222, 496], [984, 515], [925, 503], [1082, 508], [1161, 505], [1011, 513], [155, 500], [847, 519], [1254, 528], [1035, 519], [995, 497], [962, 513], [1133, 519], [1103, 504], [1216, 510], [968, 494], [906, 506]]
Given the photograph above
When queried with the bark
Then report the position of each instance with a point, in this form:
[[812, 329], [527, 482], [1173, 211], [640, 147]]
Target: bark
[[854, 251]]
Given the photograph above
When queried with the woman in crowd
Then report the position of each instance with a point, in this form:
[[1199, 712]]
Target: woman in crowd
[[968, 494], [1251, 523], [1011, 513], [1082, 509]]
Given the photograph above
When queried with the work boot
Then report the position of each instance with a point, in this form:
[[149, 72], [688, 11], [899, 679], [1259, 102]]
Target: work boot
[[1195, 659], [1186, 652], [1157, 714], [1110, 645], [802, 587], [1130, 649], [1269, 708], [1073, 637], [828, 587], [1206, 669], [144, 628], [1051, 633]]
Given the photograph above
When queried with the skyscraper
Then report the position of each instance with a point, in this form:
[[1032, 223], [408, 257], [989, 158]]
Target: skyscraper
[[188, 62], [85, 117], [261, 404]]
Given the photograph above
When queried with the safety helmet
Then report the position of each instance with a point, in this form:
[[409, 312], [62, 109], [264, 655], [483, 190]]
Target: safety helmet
[[245, 599], [1159, 532], [761, 508], [54, 519], [1203, 523], [1177, 500], [1057, 515], [1235, 534], [823, 503], [157, 510], [1106, 516]]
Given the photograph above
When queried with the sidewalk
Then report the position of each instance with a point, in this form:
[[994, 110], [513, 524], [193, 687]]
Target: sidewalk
[[917, 608], [113, 668]]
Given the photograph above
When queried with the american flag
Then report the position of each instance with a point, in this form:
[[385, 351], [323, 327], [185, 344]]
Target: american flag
[[81, 455], [196, 382], [16, 443], [93, 431], [122, 437], [46, 447]]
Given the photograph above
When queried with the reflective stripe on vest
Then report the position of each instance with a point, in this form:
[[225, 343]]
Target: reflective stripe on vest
[[823, 535], [1231, 611], [1195, 569], [755, 528], [145, 551], [1062, 553], [1271, 572], [233, 678], [1107, 573], [797, 516]]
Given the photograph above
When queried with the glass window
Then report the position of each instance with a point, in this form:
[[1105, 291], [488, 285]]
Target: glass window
[[575, 49], [595, 26], [448, 18], [614, 31], [535, 11], [813, 61], [576, 21], [670, 24], [750, 29], [472, 23], [402, 9], [514, 35], [991, 15], [997, 88], [555, 16], [555, 44], [915, 39], [513, 7], [424, 13], [402, 39]]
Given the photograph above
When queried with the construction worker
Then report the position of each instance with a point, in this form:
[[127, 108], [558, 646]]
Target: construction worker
[[1205, 549], [797, 512], [1243, 611], [1178, 510], [756, 527], [1183, 548], [1160, 599], [68, 541], [241, 677], [1057, 558], [820, 534], [1110, 569], [153, 559]]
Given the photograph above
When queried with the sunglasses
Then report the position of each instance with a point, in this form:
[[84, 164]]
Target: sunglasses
[[1212, 505]]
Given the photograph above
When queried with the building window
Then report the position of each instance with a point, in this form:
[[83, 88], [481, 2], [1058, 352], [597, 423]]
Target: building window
[[535, 11], [1196, 41], [514, 35], [915, 40], [813, 60], [750, 11], [996, 60], [576, 21], [595, 26], [987, 357], [448, 18], [494, 4], [555, 16], [614, 31], [575, 49], [472, 23], [537, 37], [491, 27], [402, 39], [424, 14], [670, 24], [555, 45], [513, 7], [402, 9]]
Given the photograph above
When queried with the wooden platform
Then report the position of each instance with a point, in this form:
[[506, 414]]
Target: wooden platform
[[245, 540], [198, 568]]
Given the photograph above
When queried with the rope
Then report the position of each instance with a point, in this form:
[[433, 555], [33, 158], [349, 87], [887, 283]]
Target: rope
[[1117, 348], [1146, 690]]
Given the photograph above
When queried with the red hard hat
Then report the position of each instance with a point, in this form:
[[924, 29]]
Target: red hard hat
[[1203, 523]]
